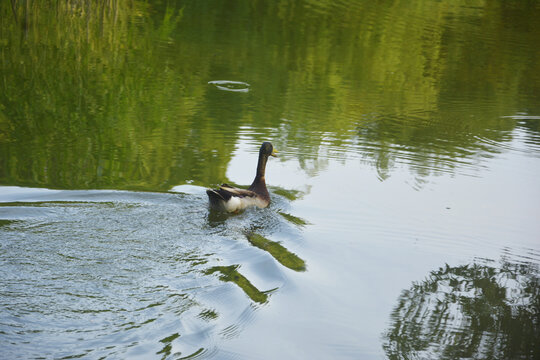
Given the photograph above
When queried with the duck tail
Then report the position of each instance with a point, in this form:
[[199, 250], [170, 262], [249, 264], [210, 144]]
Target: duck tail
[[213, 195]]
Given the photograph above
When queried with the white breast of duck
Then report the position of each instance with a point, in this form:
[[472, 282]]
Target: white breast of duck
[[235, 203]]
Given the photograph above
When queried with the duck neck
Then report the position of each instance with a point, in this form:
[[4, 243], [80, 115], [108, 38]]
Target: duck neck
[[259, 180]]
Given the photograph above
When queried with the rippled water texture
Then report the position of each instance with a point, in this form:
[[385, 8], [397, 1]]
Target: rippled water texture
[[105, 273], [404, 221]]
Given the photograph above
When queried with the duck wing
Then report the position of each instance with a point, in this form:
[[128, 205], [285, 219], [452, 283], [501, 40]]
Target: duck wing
[[231, 199], [226, 192]]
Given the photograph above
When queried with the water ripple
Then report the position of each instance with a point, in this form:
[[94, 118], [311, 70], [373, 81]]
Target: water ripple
[[129, 269], [228, 85]]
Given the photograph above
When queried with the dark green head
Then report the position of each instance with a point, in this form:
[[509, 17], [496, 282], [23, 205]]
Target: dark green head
[[267, 149]]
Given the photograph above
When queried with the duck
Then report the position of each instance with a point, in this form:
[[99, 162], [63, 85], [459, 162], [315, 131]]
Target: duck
[[233, 200]]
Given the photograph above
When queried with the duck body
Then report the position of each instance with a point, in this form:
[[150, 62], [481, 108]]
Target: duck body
[[231, 199]]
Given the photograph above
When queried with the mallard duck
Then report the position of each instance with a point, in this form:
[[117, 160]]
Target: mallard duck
[[231, 199]]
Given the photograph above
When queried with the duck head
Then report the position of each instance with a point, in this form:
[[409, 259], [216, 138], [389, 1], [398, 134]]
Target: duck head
[[267, 149]]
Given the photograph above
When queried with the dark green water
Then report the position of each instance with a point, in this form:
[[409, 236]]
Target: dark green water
[[405, 210]]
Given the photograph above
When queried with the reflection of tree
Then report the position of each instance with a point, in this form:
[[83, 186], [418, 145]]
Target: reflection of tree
[[90, 99], [231, 274], [472, 311], [115, 94]]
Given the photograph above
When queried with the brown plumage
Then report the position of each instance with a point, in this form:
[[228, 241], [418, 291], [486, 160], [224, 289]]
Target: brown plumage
[[231, 199]]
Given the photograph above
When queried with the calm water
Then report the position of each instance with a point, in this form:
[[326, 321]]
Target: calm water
[[405, 215]]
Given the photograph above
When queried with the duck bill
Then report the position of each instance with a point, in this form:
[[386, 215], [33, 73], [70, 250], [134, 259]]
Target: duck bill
[[274, 153]]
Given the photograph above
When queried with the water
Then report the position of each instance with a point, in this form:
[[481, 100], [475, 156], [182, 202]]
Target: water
[[404, 215]]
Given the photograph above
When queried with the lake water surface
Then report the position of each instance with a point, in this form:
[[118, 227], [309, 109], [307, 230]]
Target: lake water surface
[[405, 214]]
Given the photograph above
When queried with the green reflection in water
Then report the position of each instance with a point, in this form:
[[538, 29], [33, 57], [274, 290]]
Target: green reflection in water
[[208, 315], [231, 274], [278, 251], [166, 351], [473, 311], [116, 94], [4, 222], [91, 100], [288, 194], [293, 219], [194, 355]]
